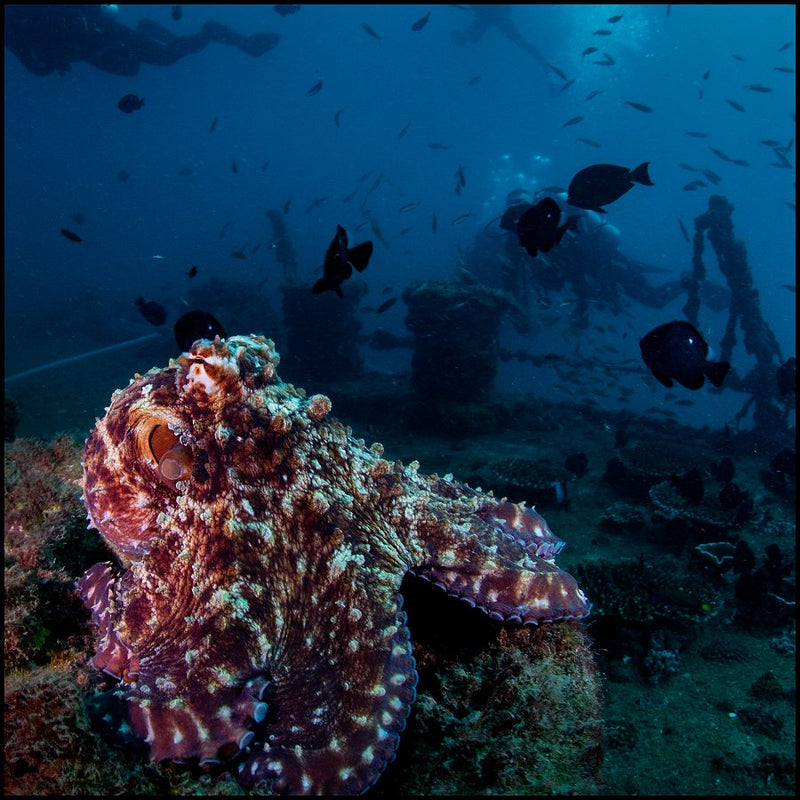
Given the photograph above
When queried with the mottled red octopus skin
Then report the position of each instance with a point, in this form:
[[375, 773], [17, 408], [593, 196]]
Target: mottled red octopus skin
[[257, 615]]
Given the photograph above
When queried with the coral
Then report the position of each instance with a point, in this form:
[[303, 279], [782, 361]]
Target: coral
[[623, 517], [767, 688], [758, 720], [724, 651]]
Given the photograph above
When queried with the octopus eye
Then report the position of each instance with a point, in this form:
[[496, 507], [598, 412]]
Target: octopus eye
[[174, 460]]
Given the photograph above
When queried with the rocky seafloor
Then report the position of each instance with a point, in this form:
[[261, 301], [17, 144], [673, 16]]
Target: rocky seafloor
[[682, 680]]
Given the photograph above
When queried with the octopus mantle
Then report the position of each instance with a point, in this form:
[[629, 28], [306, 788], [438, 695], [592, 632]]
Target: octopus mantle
[[258, 621]]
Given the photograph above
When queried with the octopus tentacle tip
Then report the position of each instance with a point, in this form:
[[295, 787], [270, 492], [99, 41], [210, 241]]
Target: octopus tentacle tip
[[251, 522]]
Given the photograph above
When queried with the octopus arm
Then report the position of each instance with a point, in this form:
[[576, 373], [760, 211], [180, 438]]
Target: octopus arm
[[535, 592], [339, 703]]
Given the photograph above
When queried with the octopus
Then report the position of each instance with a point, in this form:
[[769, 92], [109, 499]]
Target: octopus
[[255, 617]]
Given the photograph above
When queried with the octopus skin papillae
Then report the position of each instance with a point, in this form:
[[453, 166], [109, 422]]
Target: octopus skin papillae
[[256, 620]]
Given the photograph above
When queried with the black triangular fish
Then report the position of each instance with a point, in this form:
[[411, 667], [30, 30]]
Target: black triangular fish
[[538, 227], [339, 262]]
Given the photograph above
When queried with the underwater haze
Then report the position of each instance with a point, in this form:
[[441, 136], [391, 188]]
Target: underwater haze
[[353, 96]]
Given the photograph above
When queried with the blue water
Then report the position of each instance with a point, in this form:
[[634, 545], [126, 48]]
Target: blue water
[[66, 142]]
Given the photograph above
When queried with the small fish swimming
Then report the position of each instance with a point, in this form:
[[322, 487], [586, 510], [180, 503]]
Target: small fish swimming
[[594, 94], [602, 32], [608, 61], [315, 89], [371, 31], [590, 142], [238, 254], [573, 121], [385, 305], [638, 106], [339, 262], [757, 87], [213, 125], [473, 80], [153, 312], [176, 13], [734, 104], [684, 231], [676, 351], [438, 146], [71, 235], [130, 103], [192, 271], [404, 130], [538, 227], [337, 116], [589, 50], [615, 18], [421, 22], [697, 134], [602, 184]]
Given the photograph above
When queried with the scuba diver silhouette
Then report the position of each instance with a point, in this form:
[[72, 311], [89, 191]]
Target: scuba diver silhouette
[[49, 38], [499, 16]]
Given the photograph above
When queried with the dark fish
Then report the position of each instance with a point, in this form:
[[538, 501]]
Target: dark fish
[[740, 162], [757, 87], [590, 142], [192, 271], [787, 70], [608, 61], [689, 485], [73, 237], [738, 58], [459, 176], [370, 31], [238, 254], [213, 125], [615, 18], [339, 262], [734, 104], [234, 167], [684, 165], [677, 351], [566, 86], [224, 229], [421, 22], [287, 205], [336, 117], [577, 464], [601, 184], [351, 195], [177, 13], [712, 176], [594, 93], [782, 162], [461, 217], [385, 305], [638, 106], [573, 121], [697, 134], [438, 146], [560, 72], [770, 142], [723, 471], [784, 47], [602, 32], [130, 103], [79, 218], [153, 312], [473, 80], [285, 9], [538, 227], [194, 325], [785, 461], [265, 165], [315, 203], [706, 75], [588, 51], [404, 131], [720, 154], [691, 187], [684, 231], [787, 377], [315, 89]]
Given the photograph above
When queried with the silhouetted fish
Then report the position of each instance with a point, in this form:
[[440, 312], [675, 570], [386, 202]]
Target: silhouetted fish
[[734, 104], [602, 184], [73, 237], [339, 262], [538, 227], [677, 351], [385, 305], [315, 89], [573, 121], [370, 31], [192, 271], [177, 13], [196, 325], [638, 106], [577, 464], [153, 312], [421, 22], [130, 103]]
